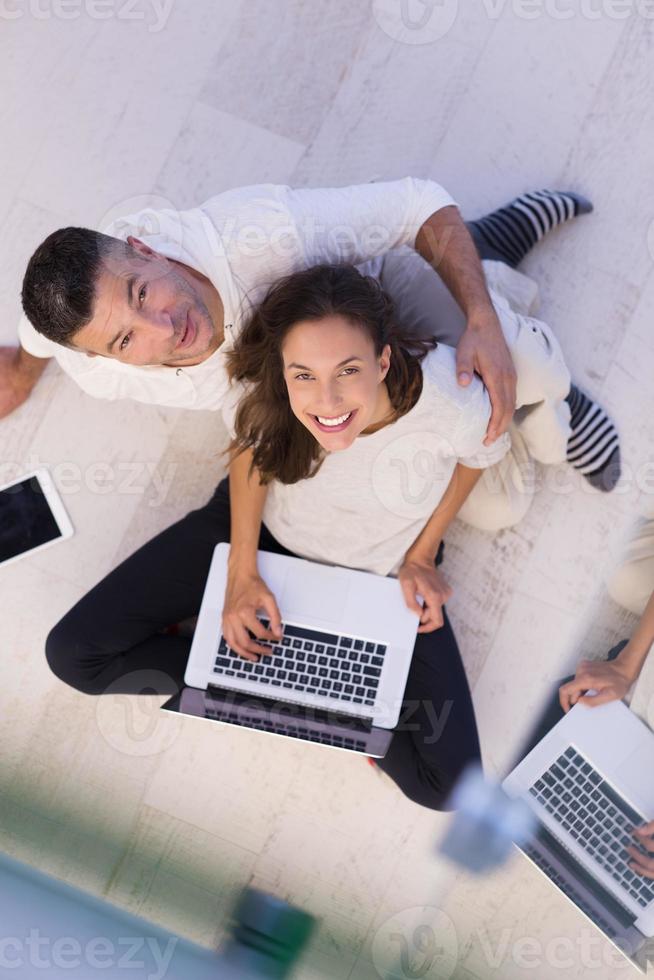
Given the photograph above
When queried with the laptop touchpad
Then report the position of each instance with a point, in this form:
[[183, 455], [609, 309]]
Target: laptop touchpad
[[315, 594]]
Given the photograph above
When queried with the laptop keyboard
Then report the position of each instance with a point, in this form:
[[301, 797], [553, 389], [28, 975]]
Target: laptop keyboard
[[599, 820], [292, 729], [308, 660]]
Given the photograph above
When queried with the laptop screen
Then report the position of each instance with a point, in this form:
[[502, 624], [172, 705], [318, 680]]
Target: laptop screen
[[310, 724]]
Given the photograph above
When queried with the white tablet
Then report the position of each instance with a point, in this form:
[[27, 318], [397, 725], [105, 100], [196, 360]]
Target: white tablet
[[32, 516]]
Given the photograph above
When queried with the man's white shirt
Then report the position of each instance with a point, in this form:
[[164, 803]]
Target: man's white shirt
[[243, 241]]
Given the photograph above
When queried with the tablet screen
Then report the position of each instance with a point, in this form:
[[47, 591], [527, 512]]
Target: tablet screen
[[26, 520]]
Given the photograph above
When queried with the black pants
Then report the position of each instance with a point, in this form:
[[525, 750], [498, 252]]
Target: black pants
[[113, 640]]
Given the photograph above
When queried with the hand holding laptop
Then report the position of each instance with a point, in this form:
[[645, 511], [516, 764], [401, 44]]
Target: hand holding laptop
[[247, 593], [609, 679], [612, 678], [421, 579]]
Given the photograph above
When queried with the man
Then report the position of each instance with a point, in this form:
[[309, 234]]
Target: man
[[147, 310]]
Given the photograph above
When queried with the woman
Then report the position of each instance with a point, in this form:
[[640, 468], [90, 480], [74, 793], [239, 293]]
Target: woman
[[415, 437], [356, 446]]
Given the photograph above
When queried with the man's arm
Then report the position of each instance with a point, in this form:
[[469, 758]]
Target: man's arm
[[19, 372], [444, 242], [358, 223]]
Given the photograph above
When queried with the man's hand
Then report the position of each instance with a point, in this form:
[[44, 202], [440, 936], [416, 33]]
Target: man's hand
[[610, 678], [641, 863], [483, 349], [245, 594], [420, 576], [19, 372], [445, 242]]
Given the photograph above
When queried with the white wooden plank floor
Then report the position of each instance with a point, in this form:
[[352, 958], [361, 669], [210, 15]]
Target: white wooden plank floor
[[159, 815]]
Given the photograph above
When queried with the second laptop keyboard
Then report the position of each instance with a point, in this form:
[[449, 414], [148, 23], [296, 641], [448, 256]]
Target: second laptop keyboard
[[595, 816], [308, 660]]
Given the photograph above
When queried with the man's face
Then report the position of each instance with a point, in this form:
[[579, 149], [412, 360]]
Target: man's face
[[148, 310]]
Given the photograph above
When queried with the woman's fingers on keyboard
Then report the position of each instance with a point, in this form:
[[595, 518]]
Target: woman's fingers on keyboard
[[260, 631], [237, 630], [269, 635], [241, 648], [270, 605], [645, 836], [640, 864], [256, 631]]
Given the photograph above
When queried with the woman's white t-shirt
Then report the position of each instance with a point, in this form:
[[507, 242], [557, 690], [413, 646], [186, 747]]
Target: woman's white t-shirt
[[367, 504]]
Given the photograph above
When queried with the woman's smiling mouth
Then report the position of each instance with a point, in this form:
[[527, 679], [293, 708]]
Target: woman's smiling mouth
[[334, 424]]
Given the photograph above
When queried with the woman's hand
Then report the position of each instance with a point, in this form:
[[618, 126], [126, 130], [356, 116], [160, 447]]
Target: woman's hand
[[643, 864], [419, 576], [246, 593], [610, 678]]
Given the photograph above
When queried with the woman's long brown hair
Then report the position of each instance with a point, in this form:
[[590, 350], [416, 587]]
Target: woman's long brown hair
[[283, 448]]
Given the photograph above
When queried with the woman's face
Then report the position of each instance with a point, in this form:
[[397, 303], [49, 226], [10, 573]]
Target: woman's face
[[335, 380]]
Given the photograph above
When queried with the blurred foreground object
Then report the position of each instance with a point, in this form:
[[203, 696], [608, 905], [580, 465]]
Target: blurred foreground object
[[486, 824], [268, 937], [49, 927]]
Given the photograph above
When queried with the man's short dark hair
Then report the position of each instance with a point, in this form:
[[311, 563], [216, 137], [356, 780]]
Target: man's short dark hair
[[59, 286]]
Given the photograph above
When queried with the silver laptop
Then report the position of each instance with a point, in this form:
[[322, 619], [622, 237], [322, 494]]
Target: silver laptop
[[341, 665], [590, 781]]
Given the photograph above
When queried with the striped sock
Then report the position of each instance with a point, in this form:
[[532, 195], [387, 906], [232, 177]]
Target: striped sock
[[593, 447], [509, 233]]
